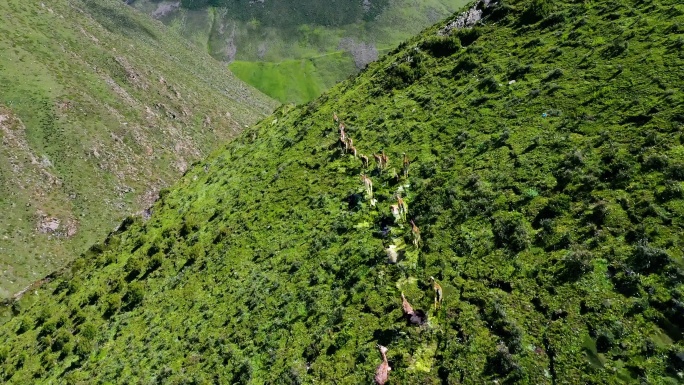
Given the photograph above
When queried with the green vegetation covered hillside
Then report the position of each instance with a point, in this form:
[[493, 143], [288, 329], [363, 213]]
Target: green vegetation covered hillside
[[293, 50], [545, 179], [100, 108]]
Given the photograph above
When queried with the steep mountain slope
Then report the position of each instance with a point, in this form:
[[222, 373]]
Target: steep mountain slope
[[546, 177], [99, 109], [319, 42]]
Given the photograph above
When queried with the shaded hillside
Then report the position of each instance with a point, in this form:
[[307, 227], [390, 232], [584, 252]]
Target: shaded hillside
[[99, 109], [546, 177], [326, 39]]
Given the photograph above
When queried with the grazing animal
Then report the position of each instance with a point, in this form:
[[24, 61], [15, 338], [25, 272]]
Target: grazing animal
[[394, 209], [364, 159], [438, 292], [353, 150], [415, 231], [348, 144], [413, 317], [382, 372], [385, 159], [368, 184], [378, 160], [403, 207], [405, 305], [335, 117], [406, 165]]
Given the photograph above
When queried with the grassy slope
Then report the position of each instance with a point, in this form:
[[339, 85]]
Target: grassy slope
[[297, 81], [551, 211], [101, 108], [286, 49]]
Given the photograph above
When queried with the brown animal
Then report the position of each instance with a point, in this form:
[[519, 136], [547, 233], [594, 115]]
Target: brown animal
[[403, 208], [368, 184], [352, 149], [364, 159], [438, 292], [385, 159], [406, 165], [415, 231], [335, 117], [382, 372], [378, 160], [349, 144], [413, 317], [406, 306]]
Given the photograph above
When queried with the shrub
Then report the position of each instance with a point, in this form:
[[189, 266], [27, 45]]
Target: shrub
[[4, 354], [468, 36], [672, 190], [112, 304], [88, 331], [134, 296], [155, 262], [553, 75], [576, 263], [615, 48], [648, 259], [441, 46], [62, 341], [510, 231], [465, 65], [553, 20], [134, 266], [489, 84], [502, 362], [82, 348], [518, 71], [73, 285], [401, 74], [25, 325], [49, 327], [78, 317], [536, 11]]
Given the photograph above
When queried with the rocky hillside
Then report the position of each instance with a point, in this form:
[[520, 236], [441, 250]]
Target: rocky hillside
[[534, 225], [100, 108]]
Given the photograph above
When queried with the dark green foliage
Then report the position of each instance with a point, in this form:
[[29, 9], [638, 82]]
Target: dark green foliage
[[536, 10], [88, 331], [441, 46], [464, 65], [576, 263], [648, 259], [510, 231], [404, 72], [553, 225], [25, 324], [134, 295], [111, 304], [468, 36]]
